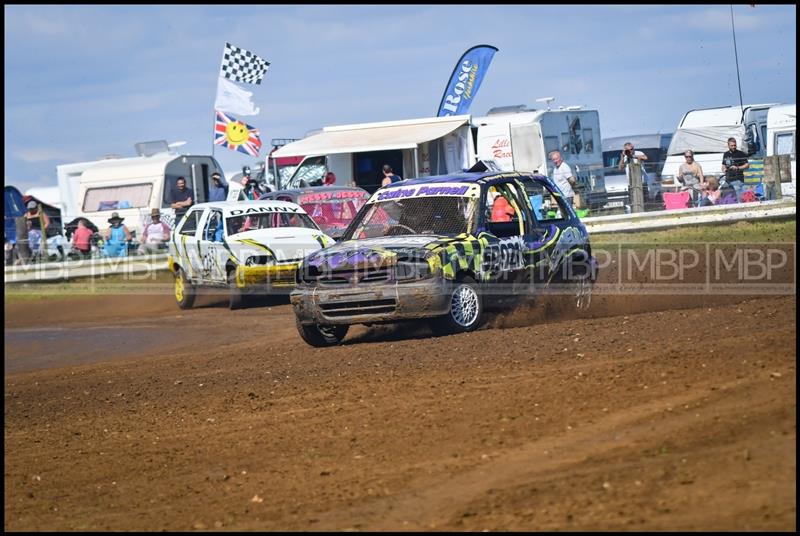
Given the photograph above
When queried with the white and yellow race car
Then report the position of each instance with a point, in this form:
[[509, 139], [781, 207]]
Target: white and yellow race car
[[248, 247]]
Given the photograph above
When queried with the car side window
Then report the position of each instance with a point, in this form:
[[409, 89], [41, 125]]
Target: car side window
[[547, 205], [213, 228], [189, 226], [505, 213]]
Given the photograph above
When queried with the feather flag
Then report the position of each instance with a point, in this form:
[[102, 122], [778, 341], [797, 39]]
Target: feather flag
[[235, 135]]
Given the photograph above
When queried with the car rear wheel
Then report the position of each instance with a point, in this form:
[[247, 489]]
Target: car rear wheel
[[185, 292], [321, 336], [466, 309], [235, 297]]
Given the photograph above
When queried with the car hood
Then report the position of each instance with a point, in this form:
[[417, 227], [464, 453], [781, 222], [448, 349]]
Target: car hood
[[373, 252], [285, 244]]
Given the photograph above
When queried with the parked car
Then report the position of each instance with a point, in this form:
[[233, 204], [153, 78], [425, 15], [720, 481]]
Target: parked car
[[439, 248], [246, 247], [331, 207]]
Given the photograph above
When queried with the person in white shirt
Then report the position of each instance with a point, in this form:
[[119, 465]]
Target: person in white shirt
[[155, 235], [629, 154], [562, 176]]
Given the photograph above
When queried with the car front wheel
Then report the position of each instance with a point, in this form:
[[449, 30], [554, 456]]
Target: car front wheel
[[321, 336], [185, 292], [466, 309]]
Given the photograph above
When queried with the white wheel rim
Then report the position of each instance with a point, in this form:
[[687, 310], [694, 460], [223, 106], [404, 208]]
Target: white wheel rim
[[464, 306]]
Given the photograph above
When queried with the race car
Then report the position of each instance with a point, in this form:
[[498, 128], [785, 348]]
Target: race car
[[247, 247], [444, 248]]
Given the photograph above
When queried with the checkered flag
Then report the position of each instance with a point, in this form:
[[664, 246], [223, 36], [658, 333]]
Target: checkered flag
[[241, 65]]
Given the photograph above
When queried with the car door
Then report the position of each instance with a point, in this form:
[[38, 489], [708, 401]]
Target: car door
[[508, 222], [212, 248], [186, 243]]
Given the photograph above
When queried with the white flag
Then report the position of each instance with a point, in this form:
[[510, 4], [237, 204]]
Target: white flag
[[233, 99]]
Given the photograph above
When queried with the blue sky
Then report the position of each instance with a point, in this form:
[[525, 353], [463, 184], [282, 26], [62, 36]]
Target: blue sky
[[86, 81]]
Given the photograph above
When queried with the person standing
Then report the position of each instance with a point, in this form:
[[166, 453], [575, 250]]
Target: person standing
[[116, 237], [155, 234], [630, 155], [181, 198], [218, 190], [734, 162], [36, 234], [562, 176], [690, 175], [389, 176]]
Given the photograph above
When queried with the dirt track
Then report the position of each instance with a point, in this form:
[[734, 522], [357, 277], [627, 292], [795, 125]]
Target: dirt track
[[651, 413]]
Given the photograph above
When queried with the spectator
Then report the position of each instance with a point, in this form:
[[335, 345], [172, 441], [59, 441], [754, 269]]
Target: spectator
[[388, 176], [82, 239], [734, 162], [36, 234], [218, 190], [116, 237], [181, 198], [330, 179], [155, 234], [690, 175], [711, 193], [630, 155], [562, 176]]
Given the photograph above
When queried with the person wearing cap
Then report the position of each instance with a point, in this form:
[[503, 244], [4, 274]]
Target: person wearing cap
[[218, 189], [155, 234], [116, 237], [35, 224]]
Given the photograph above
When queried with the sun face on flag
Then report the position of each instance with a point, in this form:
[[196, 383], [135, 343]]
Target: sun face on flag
[[235, 135]]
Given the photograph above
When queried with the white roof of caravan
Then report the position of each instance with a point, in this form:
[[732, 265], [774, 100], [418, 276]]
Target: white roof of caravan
[[47, 194], [124, 168], [513, 118], [639, 141], [782, 116], [715, 117], [382, 136]]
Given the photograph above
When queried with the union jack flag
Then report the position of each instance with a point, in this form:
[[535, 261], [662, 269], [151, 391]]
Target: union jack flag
[[235, 135]]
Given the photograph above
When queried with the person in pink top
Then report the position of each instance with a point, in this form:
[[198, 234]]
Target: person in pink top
[[81, 239]]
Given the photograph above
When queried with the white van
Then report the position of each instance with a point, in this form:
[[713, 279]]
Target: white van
[[782, 139], [519, 139], [706, 133], [134, 186]]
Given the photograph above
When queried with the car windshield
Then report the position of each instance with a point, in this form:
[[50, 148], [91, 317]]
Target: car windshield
[[440, 215], [333, 211], [241, 224]]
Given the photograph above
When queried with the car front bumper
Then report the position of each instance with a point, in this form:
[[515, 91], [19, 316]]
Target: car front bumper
[[269, 279], [386, 302]]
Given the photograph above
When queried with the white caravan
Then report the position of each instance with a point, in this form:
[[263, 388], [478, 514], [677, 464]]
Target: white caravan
[[133, 186], [706, 133], [356, 153], [517, 138], [782, 139]]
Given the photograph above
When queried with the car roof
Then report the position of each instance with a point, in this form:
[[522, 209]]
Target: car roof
[[315, 189], [243, 204], [467, 177]]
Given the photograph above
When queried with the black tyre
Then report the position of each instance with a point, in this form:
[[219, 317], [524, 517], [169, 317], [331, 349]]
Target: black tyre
[[185, 292], [235, 295], [466, 309], [321, 336]]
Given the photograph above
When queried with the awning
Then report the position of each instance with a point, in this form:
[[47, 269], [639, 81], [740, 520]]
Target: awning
[[373, 136]]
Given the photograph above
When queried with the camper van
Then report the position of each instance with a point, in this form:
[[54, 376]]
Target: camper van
[[655, 147], [782, 139], [518, 138], [134, 186], [356, 153], [706, 132]]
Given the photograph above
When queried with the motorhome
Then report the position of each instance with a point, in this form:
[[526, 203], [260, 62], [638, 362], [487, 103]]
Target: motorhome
[[654, 146], [133, 186], [706, 132], [782, 139], [356, 153], [519, 138]]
